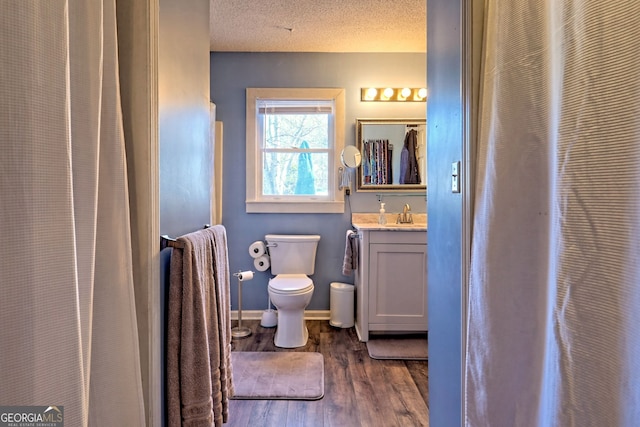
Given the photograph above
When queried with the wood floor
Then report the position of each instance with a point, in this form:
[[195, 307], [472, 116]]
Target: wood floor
[[358, 390]]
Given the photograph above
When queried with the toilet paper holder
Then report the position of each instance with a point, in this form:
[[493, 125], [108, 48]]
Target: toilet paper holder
[[241, 331], [257, 248]]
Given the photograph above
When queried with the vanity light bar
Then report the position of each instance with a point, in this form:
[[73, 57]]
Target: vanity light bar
[[390, 94]]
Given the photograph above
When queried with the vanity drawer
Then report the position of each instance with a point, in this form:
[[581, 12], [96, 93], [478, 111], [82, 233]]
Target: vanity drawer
[[398, 236]]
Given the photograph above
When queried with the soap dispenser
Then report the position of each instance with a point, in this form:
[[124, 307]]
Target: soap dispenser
[[382, 219]]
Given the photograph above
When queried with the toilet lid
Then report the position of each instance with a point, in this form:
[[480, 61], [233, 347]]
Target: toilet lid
[[290, 283]]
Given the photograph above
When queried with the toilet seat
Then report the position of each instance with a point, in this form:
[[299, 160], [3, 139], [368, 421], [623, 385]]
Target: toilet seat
[[290, 284]]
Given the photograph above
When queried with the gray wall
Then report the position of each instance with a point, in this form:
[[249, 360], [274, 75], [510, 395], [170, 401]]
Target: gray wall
[[185, 148], [231, 74], [184, 143]]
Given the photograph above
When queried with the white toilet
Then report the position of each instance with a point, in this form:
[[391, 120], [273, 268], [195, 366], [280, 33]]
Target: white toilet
[[293, 258]]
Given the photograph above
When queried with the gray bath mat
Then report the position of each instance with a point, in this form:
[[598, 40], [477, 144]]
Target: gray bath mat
[[277, 375], [398, 348]]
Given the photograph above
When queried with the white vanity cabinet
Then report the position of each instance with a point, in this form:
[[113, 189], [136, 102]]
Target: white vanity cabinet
[[391, 281]]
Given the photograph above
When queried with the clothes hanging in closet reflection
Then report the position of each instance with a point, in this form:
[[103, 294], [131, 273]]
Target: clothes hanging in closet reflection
[[409, 171], [377, 156]]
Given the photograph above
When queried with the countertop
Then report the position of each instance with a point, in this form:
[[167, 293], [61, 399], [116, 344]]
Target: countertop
[[369, 222]]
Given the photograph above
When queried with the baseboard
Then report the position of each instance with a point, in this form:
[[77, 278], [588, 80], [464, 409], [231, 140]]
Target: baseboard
[[317, 314], [257, 314]]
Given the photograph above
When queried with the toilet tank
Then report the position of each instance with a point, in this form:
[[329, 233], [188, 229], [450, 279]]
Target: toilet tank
[[292, 253]]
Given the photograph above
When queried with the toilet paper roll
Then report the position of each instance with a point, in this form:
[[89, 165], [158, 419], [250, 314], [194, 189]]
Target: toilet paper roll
[[261, 263], [243, 276], [257, 249]]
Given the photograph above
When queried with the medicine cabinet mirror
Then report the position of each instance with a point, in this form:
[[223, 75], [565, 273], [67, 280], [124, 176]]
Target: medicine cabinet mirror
[[394, 154]]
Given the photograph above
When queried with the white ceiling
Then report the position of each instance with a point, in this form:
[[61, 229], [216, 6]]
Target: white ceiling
[[318, 26]]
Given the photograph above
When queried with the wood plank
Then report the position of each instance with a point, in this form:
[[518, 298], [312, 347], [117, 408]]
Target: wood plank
[[239, 413], [306, 413], [368, 398], [339, 393], [419, 371], [405, 399], [269, 413]]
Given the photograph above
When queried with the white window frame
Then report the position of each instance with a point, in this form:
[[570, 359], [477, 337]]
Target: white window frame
[[255, 202]]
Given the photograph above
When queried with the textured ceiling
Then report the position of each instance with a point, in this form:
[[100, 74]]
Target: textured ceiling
[[318, 26]]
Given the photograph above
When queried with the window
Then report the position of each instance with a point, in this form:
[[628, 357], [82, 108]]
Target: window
[[294, 140]]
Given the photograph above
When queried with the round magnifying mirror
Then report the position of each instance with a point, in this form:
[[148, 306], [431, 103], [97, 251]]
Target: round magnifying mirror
[[351, 157]]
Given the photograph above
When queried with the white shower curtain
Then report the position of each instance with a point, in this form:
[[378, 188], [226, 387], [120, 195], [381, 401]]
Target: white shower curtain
[[68, 332], [554, 301]]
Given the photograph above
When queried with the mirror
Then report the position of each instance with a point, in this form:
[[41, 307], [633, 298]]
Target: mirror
[[394, 154], [351, 157]]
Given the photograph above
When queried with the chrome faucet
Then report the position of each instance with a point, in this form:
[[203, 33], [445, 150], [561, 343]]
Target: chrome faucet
[[405, 217]]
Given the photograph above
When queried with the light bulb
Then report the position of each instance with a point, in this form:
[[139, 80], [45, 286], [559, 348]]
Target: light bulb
[[406, 92], [422, 93], [371, 93], [388, 93]]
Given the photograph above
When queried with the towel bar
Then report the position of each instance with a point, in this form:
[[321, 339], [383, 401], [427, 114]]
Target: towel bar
[[166, 241]]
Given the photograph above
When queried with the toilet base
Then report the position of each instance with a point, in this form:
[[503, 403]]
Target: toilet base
[[291, 331]]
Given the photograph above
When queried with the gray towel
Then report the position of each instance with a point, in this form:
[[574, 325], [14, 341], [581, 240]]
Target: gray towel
[[350, 262], [198, 336]]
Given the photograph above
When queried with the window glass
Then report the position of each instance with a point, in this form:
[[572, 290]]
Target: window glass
[[296, 145], [293, 143]]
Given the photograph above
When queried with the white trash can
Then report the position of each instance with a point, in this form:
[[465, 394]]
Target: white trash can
[[341, 302]]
